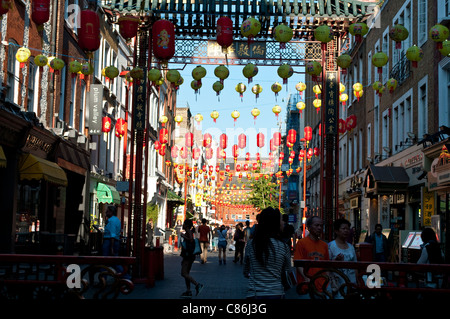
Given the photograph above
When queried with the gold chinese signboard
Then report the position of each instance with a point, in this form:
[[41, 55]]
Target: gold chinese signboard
[[239, 49], [331, 103], [140, 102], [428, 206]]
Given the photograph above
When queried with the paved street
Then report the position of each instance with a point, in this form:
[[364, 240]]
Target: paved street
[[221, 281]]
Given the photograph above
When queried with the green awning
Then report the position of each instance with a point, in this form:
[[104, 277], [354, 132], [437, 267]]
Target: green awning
[[107, 194], [173, 197]]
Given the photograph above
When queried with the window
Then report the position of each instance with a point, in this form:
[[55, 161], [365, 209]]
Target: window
[[385, 49], [377, 76], [82, 102], [72, 102], [443, 10], [32, 78], [369, 140], [422, 111], [403, 17], [385, 132], [360, 148], [350, 157], [422, 25], [12, 80], [369, 69], [62, 93], [444, 92]]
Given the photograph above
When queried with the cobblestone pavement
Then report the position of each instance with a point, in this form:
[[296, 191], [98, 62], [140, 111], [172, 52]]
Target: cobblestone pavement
[[220, 281]]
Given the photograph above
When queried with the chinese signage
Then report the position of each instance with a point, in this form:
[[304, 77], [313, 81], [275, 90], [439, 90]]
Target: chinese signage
[[239, 49], [331, 103], [428, 206], [140, 102], [95, 109]]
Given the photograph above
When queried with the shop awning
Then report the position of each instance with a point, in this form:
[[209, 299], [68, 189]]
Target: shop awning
[[173, 197], [107, 194], [2, 158], [386, 179], [33, 167]]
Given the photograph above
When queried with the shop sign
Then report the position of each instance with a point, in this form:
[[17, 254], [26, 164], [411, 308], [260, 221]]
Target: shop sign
[[331, 103], [95, 109], [414, 160], [428, 206]]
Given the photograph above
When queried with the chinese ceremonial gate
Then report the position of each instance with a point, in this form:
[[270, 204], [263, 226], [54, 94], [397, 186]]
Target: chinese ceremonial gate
[[195, 31]]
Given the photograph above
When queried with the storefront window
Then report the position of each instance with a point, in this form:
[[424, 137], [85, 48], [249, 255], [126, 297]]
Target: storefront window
[[28, 201]]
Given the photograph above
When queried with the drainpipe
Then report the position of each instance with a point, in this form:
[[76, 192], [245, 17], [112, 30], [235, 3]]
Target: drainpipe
[[53, 49]]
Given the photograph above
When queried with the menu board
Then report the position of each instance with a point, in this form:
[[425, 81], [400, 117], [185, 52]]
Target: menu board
[[408, 239], [416, 242]]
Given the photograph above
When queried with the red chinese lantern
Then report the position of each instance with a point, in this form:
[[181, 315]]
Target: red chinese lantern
[[184, 153], [209, 153], [106, 124], [351, 122], [121, 127], [260, 139], [162, 150], [258, 157], [189, 139], [157, 145], [235, 151], [196, 153], [245, 167], [301, 155], [292, 136], [342, 126], [309, 153], [247, 156], [163, 136], [238, 167], [308, 133], [174, 152], [163, 33], [128, 26], [242, 140], [224, 32], [277, 138], [223, 141], [221, 154], [40, 12], [273, 148], [89, 32], [207, 139], [316, 151]]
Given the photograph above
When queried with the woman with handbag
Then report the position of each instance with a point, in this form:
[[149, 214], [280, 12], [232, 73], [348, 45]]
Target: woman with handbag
[[187, 253]]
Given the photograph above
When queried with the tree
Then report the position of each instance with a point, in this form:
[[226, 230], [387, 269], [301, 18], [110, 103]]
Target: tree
[[264, 193], [152, 212]]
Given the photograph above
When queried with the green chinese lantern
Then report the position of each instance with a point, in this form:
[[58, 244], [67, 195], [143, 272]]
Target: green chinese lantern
[[249, 71], [57, 64], [240, 88], [379, 60], [344, 61], [313, 68], [41, 61], [398, 33], [172, 76], [198, 73], [154, 75], [377, 86], [217, 87], [179, 82], [257, 89], [323, 34], [414, 54], [283, 34], [221, 72], [439, 34], [391, 85], [445, 50], [276, 87], [196, 85], [87, 69], [137, 74], [285, 71], [111, 72], [358, 30], [250, 28], [74, 68]]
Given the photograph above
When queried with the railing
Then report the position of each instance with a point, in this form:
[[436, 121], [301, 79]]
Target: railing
[[44, 277], [397, 280], [401, 70]]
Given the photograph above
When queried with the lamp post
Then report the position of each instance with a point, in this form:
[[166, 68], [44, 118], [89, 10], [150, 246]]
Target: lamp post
[[305, 141]]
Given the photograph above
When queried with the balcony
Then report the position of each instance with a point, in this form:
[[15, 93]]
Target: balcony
[[401, 70]]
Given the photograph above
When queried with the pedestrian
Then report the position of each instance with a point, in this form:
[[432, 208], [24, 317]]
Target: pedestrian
[[204, 236], [178, 229], [288, 232], [188, 259], [247, 232], [267, 258], [313, 248], [340, 249], [215, 238], [222, 244], [255, 225], [239, 238], [380, 244], [431, 254]]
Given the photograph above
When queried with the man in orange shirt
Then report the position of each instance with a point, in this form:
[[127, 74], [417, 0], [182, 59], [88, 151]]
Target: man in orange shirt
[[205, 234], [313, 248]]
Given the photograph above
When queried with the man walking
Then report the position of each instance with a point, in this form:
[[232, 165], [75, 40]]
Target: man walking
[[380, 244], [204, 237]]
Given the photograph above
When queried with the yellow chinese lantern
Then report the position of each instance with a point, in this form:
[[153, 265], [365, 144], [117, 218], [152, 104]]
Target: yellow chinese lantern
[[214, 115], [414, 54], [391, 85], [178, 119], [343, 98], [255, 112], [257, 89], [235, 115], [240, 88], [317, 90], [358, 94], [276, 87], [198, 118], [249, 71], [163, 120], [277, 110], [317, 104], [22, 55], [301, 106], [300, 87]]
